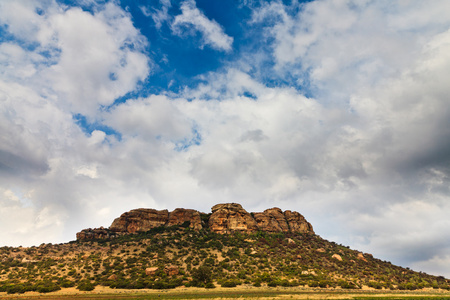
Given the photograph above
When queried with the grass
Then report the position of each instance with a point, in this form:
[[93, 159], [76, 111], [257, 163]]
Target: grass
[[235, 293]]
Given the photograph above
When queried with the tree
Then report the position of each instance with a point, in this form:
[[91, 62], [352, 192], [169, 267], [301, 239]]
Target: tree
[[201, 276]]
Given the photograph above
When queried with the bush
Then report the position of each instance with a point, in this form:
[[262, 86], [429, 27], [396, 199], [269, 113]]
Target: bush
[[67, 283], [272, 284], [201, 276], [46, 287], [85, 285], [229, 283]]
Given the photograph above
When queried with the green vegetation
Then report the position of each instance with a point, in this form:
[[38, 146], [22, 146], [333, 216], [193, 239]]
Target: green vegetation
[[169, 257]]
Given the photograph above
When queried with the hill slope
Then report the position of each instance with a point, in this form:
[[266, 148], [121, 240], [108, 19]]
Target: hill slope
[[170, 256]]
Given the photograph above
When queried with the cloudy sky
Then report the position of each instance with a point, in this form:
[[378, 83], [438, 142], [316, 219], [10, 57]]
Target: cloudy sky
[[337, 109]]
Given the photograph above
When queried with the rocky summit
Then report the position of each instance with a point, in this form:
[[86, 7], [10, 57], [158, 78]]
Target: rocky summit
[[224, 218]]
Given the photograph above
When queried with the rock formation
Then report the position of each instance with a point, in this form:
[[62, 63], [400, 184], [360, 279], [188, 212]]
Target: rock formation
[[181, 215], [272, 220], [96, 233], [225, 218], [297, 222], [231, 217], [141, 219]]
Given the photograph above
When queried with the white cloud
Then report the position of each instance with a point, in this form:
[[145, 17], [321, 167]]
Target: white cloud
[[213, 34], [77, 62], [345, 46], [159, 16], [96, 64]]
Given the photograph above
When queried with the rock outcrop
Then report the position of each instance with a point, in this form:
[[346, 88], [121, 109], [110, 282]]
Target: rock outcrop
[[141, 219], [181, 216], [272, 220], [297, 222], [171, 270], [231, 217], [96, 233], [225, 218]]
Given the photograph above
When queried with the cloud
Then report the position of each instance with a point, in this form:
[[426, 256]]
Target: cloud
[[56, 62], [100, 58], [191, 17], [343, 46], [159, 16]]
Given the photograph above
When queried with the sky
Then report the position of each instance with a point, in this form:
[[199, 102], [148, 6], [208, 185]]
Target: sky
[[337, 109]]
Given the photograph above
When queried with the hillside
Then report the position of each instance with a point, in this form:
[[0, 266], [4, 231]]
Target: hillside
[[169, 256]]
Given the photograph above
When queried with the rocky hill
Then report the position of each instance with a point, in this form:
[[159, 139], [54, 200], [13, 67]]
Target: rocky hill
[[146, 248], [224, 218]]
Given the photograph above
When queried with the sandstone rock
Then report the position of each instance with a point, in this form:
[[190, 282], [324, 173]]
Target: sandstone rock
[[290, 241], [96, 233], [321, 250], [272, 220], [151, 271], [337, 256], [361, 257], [229, 217], [113, 277], [171, 270], [225, 218], [141, 219], [297, 223], [181, 215]]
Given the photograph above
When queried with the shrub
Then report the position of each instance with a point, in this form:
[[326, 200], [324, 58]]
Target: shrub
[[272, 284], [46, 287], [201, 276], [85, 285], [229, 283]]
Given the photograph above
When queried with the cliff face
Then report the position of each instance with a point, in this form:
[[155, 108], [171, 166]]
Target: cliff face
[[225, 218], [181, 215], [231, 217], [141, 219]]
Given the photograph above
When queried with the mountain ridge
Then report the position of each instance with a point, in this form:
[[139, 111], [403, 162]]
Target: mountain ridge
[[224, 218]]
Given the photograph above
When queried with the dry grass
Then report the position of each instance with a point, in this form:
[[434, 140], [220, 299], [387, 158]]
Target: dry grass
[[241, 292]]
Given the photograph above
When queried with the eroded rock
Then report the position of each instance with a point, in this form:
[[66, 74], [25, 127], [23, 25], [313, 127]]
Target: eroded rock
[[181, 215], [229, 217], [140, 220], [225, 218]]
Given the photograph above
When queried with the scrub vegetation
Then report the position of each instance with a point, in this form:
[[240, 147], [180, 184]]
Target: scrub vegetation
[[169, 257]]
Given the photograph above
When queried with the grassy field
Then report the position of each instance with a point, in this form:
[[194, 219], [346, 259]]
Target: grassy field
[[246, 292]]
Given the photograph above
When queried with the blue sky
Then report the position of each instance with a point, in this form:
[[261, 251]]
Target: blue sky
[[336, 109]]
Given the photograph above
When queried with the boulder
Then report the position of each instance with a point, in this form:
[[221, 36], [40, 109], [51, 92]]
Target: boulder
[[171, 270], [361, 256], [141, 219], [181, 215], [230, 217], [113, 277], [337, 256], [151, 271]]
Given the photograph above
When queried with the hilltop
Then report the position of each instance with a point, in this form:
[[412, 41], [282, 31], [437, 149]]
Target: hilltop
[[147, 248], [224, 218]]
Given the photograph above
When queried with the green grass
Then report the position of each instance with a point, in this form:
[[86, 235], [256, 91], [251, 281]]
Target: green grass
[[251, 294]]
